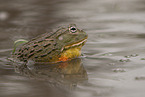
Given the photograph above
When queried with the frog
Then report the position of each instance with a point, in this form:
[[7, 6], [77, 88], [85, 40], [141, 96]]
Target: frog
[[61, 45]]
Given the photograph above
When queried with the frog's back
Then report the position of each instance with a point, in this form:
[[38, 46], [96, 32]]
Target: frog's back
[[39, 47]]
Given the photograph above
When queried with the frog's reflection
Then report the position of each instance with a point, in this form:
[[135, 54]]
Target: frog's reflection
[[68, 73]]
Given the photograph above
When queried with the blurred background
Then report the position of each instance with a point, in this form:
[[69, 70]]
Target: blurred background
[[114, 53]]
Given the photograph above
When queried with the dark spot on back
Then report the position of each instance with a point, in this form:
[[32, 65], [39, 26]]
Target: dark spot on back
[[32, 51], [20, 56], [39, 50], [25, 55], [35, 45], [43, 55], [25, 60], [27, 48], [36, 56], [40, 41], [47, 45], [47, 37], [35, 42], [55, 44], [19, 53], [49, 52], [53, 49], [19, 50], [30, 55]]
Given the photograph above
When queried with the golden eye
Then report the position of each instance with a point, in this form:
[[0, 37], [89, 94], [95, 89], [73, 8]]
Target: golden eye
[[73, 29]]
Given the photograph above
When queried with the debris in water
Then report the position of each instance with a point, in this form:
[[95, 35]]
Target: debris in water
[[132, 55], [107, 54], [124, 60], [112, 64], [119, 70], [140, 78], [142, 59], [127, 56]]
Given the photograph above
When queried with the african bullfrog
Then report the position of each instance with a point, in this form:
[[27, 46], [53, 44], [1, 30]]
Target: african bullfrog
[[61, 45]]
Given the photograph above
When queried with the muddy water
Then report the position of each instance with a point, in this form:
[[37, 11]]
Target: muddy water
[[114, 56]]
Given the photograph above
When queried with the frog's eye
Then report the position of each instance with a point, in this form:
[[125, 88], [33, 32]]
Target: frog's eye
[[73, 29]]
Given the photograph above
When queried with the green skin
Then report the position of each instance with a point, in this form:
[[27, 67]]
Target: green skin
[[49, 46]]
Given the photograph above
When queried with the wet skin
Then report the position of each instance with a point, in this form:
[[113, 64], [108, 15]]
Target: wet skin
[[62, 45]]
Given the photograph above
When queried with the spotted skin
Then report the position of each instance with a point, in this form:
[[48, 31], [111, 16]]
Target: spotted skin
[[49, 47]]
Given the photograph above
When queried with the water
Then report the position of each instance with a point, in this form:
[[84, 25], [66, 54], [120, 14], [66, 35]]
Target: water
[[114, 53]]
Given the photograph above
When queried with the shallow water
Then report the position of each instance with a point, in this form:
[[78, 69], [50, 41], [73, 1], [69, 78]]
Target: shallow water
[[114, 62]]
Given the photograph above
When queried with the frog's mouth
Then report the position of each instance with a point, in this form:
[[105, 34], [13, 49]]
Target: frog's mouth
[[79, 43]]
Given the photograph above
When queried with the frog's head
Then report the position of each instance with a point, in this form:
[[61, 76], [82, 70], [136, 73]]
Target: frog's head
[[71, 37]]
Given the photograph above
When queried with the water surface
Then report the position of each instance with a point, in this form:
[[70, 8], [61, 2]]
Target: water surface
[[114, 55]]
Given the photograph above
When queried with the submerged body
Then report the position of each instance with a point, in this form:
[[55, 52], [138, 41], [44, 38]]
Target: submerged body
[[62, 45]]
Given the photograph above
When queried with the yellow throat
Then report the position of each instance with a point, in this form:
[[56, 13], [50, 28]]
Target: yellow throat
[[70, 54]]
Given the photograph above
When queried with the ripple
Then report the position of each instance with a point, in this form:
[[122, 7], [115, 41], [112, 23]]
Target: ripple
[[114, 54]]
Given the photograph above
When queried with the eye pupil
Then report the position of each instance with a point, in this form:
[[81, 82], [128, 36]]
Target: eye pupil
[[73, 29]]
